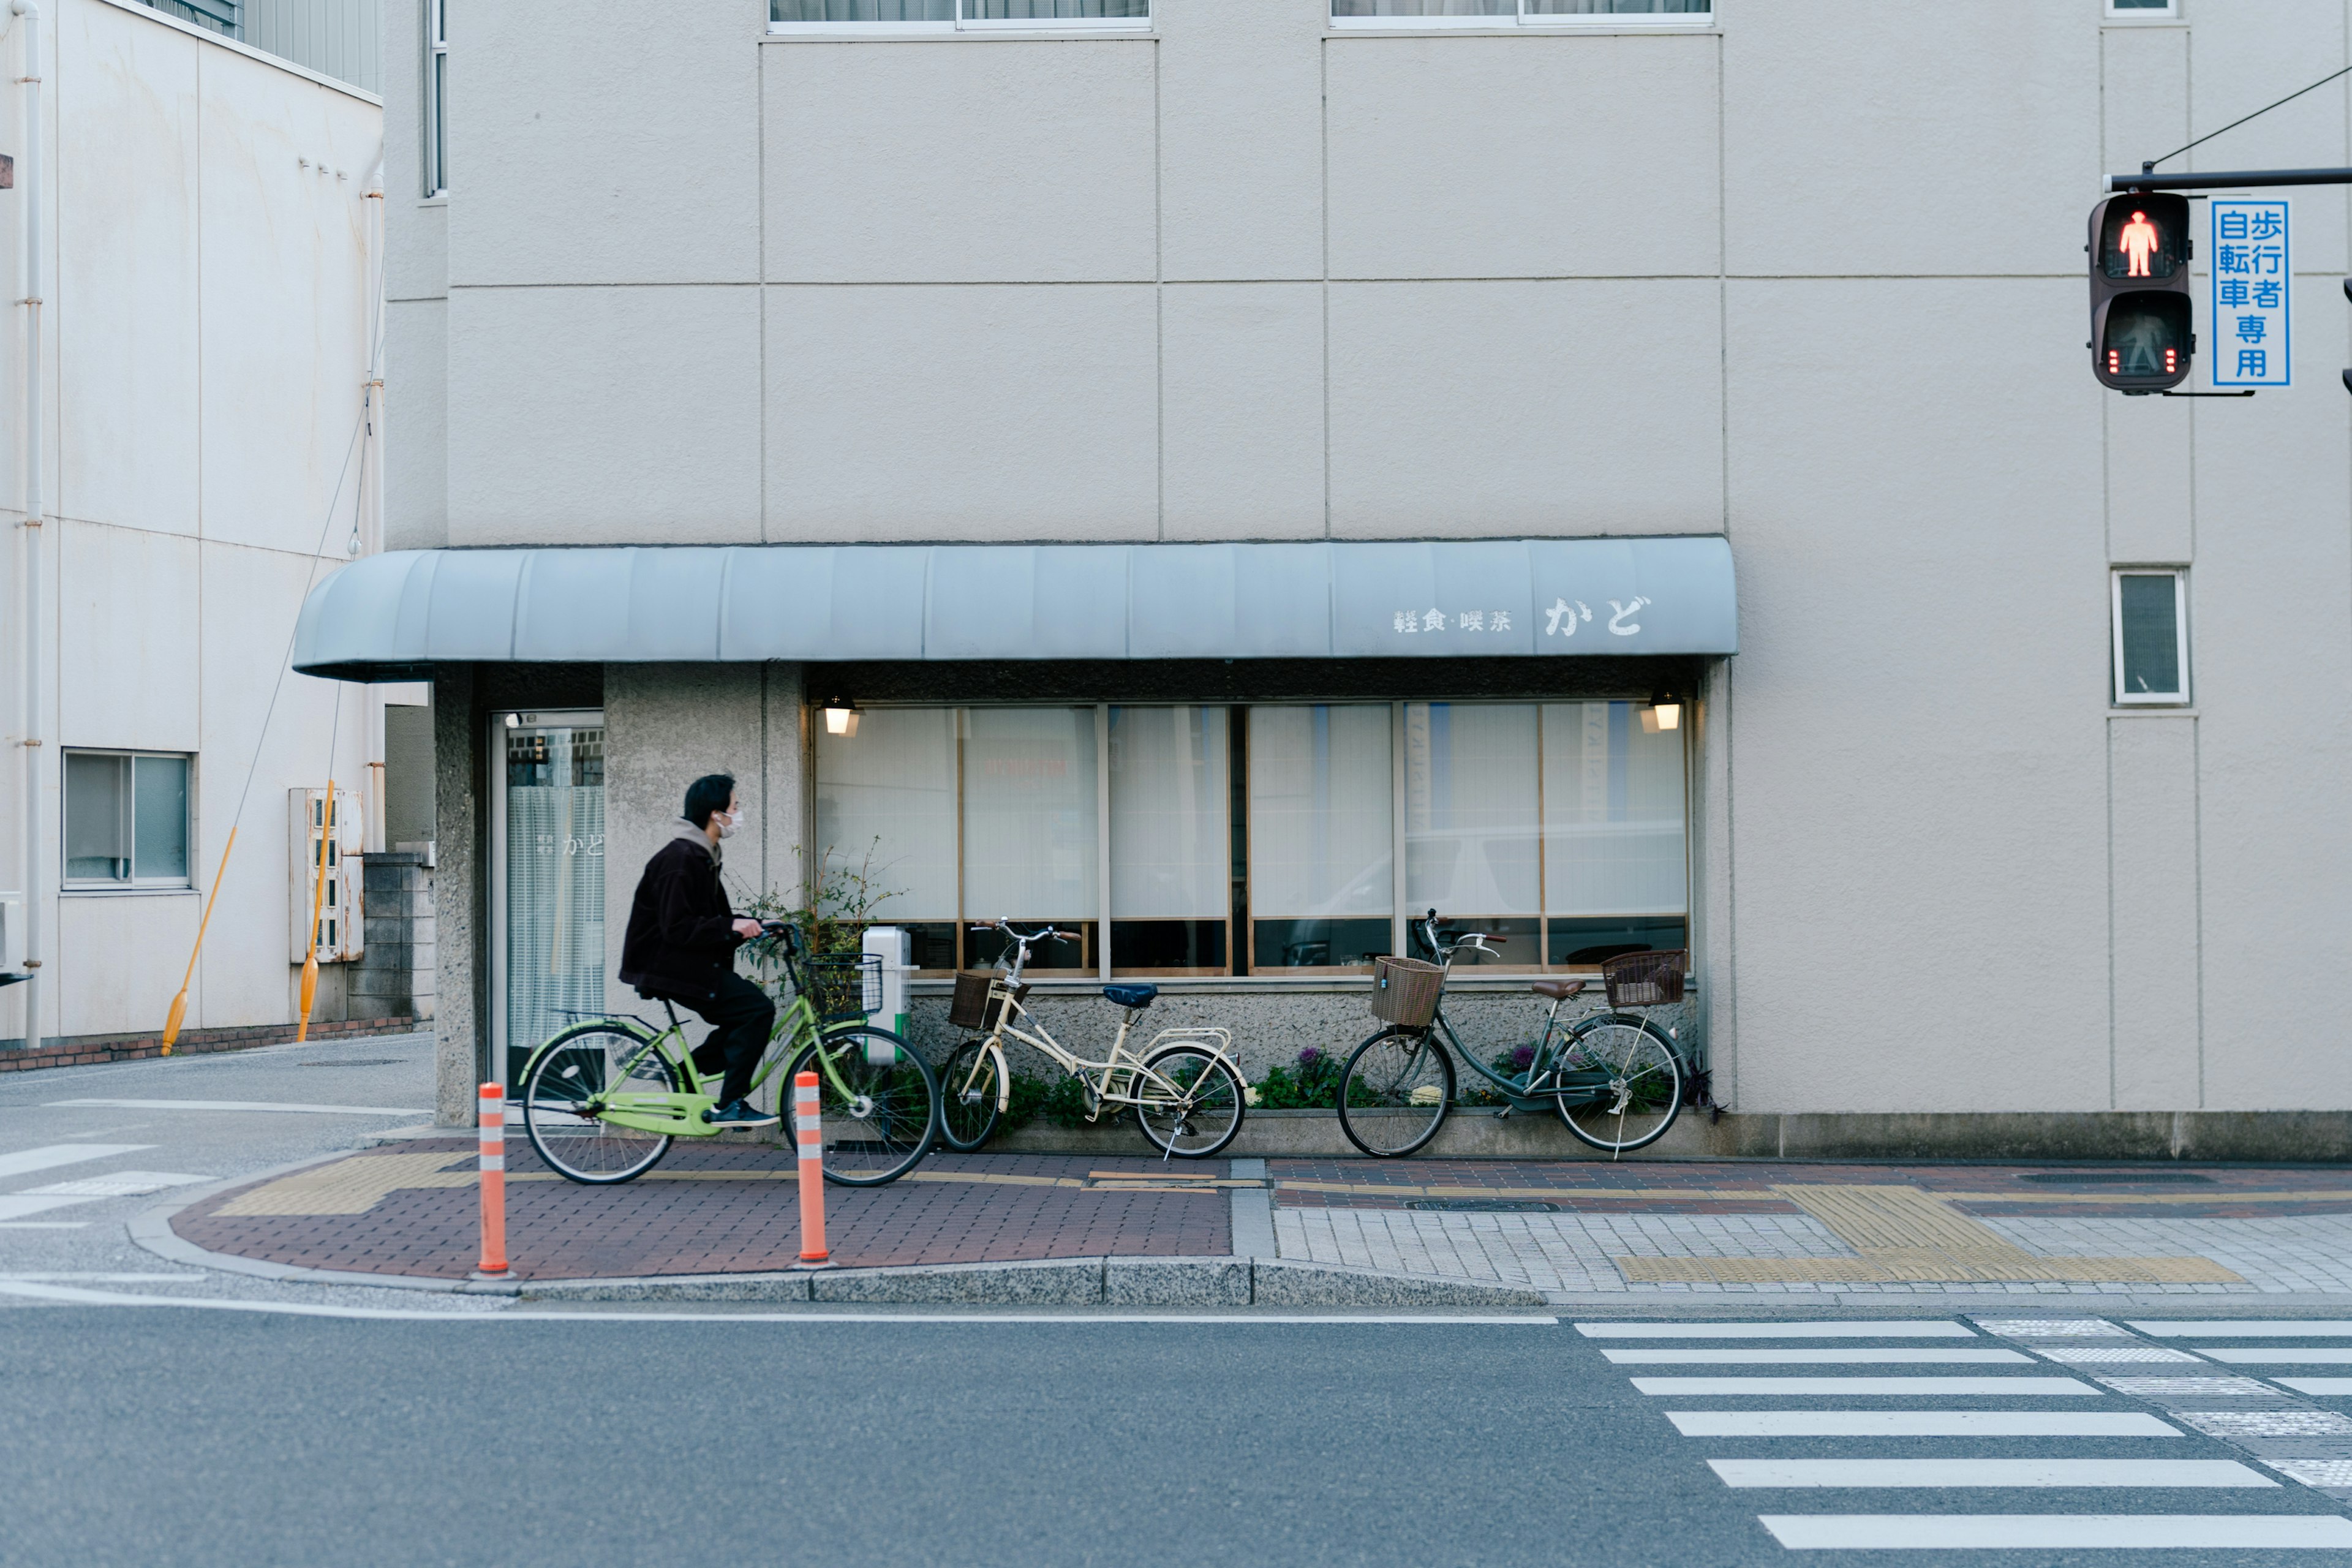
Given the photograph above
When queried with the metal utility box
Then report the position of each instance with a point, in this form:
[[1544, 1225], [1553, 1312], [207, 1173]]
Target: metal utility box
[[12, 933], [342, 924]]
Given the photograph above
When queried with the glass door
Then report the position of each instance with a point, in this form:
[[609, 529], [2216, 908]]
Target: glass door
[[547, 880]]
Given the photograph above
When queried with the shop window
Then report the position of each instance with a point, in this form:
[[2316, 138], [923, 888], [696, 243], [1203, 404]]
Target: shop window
[[1171, 840], [126, 820], [1515, 13], [886, 821], [1031, 853], [2151, 622], [948, 16], [1322, 885]]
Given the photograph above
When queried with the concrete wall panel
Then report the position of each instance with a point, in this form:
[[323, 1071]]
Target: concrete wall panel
[[416, 424], [129, 602], [2243, 54], [1241, 140], [1241, 384], [1524, 157], [604, 415], [963, 413], [104, 984], [2152, 856], [1525, 407], [962, 161]]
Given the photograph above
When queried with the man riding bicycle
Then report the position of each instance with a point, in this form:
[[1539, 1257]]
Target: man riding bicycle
[[681, 941]]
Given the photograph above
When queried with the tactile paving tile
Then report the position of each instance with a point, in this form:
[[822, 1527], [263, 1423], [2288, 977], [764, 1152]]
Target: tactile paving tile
[[2050, 1328], [2092, 1355], [2267, 1422], [2332, 1474], [2193, 1387]]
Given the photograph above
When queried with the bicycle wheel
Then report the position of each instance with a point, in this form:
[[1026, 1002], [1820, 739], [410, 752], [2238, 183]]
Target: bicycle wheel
[[569, 1077], [876, 1132], [968, 1091], [1623, 1083], [1395, 1091], [1193, 1108]]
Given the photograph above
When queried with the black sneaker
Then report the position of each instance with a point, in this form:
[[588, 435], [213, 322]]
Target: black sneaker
[[739, 1113]]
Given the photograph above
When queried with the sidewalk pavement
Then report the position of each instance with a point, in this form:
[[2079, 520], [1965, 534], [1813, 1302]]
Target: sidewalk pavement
[[1561, 1228]]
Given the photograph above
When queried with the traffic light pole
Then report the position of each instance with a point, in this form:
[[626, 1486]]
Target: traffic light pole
[[2242, 179]]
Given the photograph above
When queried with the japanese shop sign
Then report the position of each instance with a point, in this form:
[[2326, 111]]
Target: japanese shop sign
[[2253, 277]]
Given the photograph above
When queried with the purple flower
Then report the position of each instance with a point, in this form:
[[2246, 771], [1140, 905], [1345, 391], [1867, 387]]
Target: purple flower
[[1309, 1057], [1522, 1058]]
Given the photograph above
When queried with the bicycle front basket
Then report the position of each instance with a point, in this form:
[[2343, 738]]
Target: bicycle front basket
[[971, 1008], [1645, 979], [846, 987], [1405, 991]]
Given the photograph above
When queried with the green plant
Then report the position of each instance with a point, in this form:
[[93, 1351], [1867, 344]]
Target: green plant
[[1028, 1097], [1063, 1103], [1311, 1084], [841, 905]]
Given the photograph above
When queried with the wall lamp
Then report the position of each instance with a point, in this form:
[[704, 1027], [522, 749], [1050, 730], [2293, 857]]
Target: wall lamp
[[1664, 713], [840, 716]]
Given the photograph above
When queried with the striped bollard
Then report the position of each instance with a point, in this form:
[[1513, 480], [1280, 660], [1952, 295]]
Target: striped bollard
[[808, 1133], [493, 1118]]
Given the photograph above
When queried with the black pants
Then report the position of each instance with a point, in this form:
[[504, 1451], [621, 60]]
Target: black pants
[[745, 1016]]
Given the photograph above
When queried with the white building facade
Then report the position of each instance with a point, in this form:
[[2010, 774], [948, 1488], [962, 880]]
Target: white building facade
[[960, 338], [206, 266]]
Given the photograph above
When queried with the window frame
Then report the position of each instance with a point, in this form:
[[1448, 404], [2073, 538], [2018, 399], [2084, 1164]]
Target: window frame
[[2121, 696], [1541, 21], [436, 138], [977, 27], [134, 883], [2166, 11]]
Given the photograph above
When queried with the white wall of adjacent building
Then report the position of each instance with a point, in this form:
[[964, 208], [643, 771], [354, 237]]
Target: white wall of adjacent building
[[206, 326]]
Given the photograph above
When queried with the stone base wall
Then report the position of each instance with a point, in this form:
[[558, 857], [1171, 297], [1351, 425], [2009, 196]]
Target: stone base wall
[[395, 975], [83, 1050]]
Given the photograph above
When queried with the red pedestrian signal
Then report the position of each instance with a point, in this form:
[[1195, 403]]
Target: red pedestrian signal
[[2143, 327]]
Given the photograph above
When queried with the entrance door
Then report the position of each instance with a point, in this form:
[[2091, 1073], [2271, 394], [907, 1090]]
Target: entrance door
[[547, 880]]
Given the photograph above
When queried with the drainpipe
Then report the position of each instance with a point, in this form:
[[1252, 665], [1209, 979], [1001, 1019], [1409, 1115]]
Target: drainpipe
[[28, 536], [370, 501]]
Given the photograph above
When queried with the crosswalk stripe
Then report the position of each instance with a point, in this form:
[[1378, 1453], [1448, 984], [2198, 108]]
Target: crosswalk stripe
[[1844, 1329], [1987, 1473], [2279, 1355], [1897, 1387], [2247, 1329], [2144, 1531], [1875, 1355], [2327, 1387], [55, 1155], [1916, 1424]]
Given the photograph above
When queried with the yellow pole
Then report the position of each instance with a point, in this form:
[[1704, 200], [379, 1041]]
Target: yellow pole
[[318, 904], [179, 1002]]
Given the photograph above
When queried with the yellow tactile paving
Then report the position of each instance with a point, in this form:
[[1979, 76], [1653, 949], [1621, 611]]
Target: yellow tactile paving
[[350, 1186]]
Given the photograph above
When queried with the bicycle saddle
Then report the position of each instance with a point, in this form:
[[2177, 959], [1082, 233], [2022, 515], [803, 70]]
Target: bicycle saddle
[[1131, 995], [1558, 990]]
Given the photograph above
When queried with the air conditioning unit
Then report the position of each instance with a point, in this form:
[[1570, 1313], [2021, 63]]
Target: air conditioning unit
[[11, 934], [342, 922]]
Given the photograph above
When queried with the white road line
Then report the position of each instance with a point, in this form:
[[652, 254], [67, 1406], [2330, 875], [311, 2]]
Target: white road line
[[1882, 1329], [2050, 1531], [24, 1161], [118, 1185], [44, 1224], [2247, 1329], [246, 1105], [1878, 1355], [101, 1278], [17, 1206], [2279, 1355], [67, 1296], [1987, 1473], [1916, 1423], [2327, 1387], [2023, 1387]]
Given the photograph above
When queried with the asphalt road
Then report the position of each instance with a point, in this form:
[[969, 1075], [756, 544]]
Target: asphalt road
[[145, 1434]]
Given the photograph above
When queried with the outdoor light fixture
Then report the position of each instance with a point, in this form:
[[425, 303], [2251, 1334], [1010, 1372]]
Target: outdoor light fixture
[[1664, 713], [840, 717]]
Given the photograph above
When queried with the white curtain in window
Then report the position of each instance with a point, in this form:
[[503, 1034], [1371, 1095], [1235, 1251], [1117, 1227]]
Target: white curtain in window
[[1470, 807], [555, 880], [1029, 822], [1170, 847], [1322, 835], [886, 809], [1612, 812]]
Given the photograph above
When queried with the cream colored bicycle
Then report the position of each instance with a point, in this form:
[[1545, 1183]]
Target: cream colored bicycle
[[1183, 1086]]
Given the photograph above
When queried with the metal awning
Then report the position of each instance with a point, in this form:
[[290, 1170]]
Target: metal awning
[[393, 616]]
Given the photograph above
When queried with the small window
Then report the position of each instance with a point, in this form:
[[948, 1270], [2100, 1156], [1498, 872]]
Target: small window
[[126, 820], [1513, 12], [2151, 616], [949, 16], [2143, 7], [436, 90]]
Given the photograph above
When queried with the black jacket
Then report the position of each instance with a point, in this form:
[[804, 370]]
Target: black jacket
[[681, 935]]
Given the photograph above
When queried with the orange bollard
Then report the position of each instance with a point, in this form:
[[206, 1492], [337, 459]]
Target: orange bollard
[[493, 1112], [810, 1135]]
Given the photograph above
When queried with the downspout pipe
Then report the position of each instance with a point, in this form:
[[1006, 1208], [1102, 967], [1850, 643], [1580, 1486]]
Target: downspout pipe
[[30, 185]]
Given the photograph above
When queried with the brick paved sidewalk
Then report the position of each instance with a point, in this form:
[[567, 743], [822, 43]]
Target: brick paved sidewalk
[[412, 1209]]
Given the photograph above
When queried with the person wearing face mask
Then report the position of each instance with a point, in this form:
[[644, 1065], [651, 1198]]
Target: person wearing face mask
[[681, 941]]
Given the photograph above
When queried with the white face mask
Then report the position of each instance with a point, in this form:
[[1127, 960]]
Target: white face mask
[[727, 821]]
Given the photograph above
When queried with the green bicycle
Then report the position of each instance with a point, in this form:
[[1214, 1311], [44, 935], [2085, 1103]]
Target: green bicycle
[[603, 1100]]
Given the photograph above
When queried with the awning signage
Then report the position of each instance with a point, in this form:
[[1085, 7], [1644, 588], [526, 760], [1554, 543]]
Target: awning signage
[[392, 617]]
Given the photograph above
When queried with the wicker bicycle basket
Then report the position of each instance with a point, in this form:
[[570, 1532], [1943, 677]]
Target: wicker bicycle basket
[[1645, 979], [1405, 991], [971, 1009], [846, 987]]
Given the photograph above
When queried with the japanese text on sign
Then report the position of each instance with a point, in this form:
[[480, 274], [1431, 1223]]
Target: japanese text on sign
[[2253, 277]]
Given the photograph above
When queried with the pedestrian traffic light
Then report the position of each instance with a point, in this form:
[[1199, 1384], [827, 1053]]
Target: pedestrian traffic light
[[2142, 325]]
